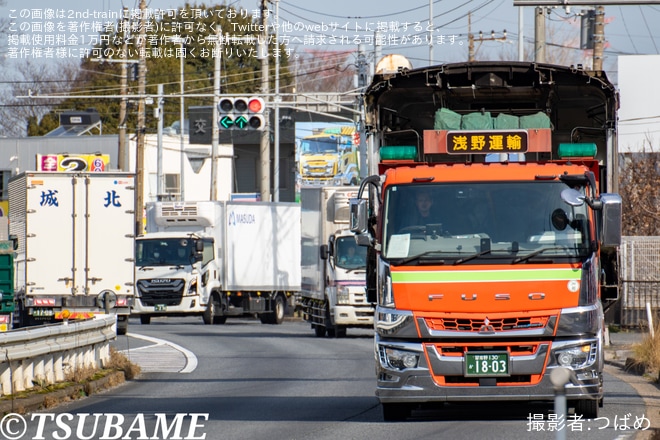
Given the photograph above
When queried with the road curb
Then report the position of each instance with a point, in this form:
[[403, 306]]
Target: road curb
[[45, 400]]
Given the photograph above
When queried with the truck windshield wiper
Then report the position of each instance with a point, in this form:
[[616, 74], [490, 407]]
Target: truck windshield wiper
[[535, 253], [472, 257], [419, 256]]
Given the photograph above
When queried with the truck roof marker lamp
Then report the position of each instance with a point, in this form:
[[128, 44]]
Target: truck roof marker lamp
[[571, 151], [398, 152]]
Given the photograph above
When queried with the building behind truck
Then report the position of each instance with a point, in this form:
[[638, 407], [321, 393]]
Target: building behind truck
[[333, 295], [509, 277], [217, 260], [75, 235], [330, 157]]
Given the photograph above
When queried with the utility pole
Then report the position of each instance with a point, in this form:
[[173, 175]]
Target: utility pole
[[123, 84], [182, 116], [430, 34], [362, 83], [265, 134], [160, 187], [276, 108], [481, 39], [470, 38], [215, 131], [599, 38], [539, 34], [141, 123]]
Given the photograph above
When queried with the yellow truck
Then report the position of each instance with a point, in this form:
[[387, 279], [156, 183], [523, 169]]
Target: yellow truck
[[330, 157]]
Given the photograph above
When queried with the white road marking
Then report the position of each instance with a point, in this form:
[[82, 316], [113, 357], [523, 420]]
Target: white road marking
[[162, 357]]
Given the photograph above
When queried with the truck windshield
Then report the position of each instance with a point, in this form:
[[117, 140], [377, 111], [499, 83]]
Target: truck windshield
[[318, 146], [164, 252], [483, 222], [349, 255]]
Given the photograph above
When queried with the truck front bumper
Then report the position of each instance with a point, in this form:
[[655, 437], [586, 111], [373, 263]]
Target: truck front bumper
[[356, 316], [188, 305], [440, 375]]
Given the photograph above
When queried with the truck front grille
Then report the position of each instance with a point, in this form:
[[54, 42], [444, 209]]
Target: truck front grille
[[497, 324], [159, 293]]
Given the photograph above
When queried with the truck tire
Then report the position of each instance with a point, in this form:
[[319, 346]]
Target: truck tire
[[145, 319], [319, 331], [277, 315], [587, 408], [122, 325], [212, 313]]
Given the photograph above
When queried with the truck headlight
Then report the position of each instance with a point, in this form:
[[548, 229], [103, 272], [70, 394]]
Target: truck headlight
[[343, 295], [386, 295], [576, 357], [192, 288], [398, 359]]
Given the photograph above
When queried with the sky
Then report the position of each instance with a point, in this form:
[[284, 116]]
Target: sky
[[400, 27], [340, 25]]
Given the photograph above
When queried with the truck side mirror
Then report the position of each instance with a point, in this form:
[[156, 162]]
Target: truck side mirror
[[611, 220], [324, 251], [199, 251], [14, 239], [358, 216]]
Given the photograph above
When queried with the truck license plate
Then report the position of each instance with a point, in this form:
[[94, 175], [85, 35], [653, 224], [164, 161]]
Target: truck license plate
[[480, 363], [160, 308]]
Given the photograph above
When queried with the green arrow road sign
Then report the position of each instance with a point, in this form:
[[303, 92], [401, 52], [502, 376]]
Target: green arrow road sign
[[241, 122], [226, 122]]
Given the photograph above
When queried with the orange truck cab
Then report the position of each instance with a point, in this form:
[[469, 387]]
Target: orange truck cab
[[506, 274]]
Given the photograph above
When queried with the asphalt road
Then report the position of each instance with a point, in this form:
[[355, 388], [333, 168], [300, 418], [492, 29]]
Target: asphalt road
[[246, 380]]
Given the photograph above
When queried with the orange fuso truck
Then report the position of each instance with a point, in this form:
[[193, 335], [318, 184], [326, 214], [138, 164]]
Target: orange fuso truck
[[492, 226]]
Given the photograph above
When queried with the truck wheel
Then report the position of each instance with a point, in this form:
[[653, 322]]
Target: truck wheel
[[277, 315], [122, 325], [396, 412], [279, 309], [319, 331], [145, 319], [587, 408], [210, 312]]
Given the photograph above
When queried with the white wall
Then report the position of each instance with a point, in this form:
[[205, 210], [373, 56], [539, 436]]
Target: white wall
[[639, 113], [197, 186]]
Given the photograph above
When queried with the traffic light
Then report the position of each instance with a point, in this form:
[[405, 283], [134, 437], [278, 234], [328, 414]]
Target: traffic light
[[241, 113], [256, 107]]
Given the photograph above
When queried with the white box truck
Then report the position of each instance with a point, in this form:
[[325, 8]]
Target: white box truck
[[218, 259], [76, 243], [333, 295]]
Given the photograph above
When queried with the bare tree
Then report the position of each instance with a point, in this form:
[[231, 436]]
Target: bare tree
[[562, 46], [639, 186], [37, 78], [324, 71]]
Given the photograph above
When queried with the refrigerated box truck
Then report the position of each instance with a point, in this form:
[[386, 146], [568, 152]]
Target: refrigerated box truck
[[218, 259], [75, 234], [333, 295]]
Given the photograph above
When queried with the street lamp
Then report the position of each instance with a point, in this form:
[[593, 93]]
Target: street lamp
[[182, 53]]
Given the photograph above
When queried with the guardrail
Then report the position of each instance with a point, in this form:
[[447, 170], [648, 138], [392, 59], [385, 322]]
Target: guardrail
[[53, 353]]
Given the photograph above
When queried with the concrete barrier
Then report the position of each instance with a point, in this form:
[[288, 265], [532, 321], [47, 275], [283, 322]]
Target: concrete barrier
[[48, 354]]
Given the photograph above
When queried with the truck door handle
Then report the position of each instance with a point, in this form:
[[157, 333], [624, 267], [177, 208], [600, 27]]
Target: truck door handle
[[464, 297]]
